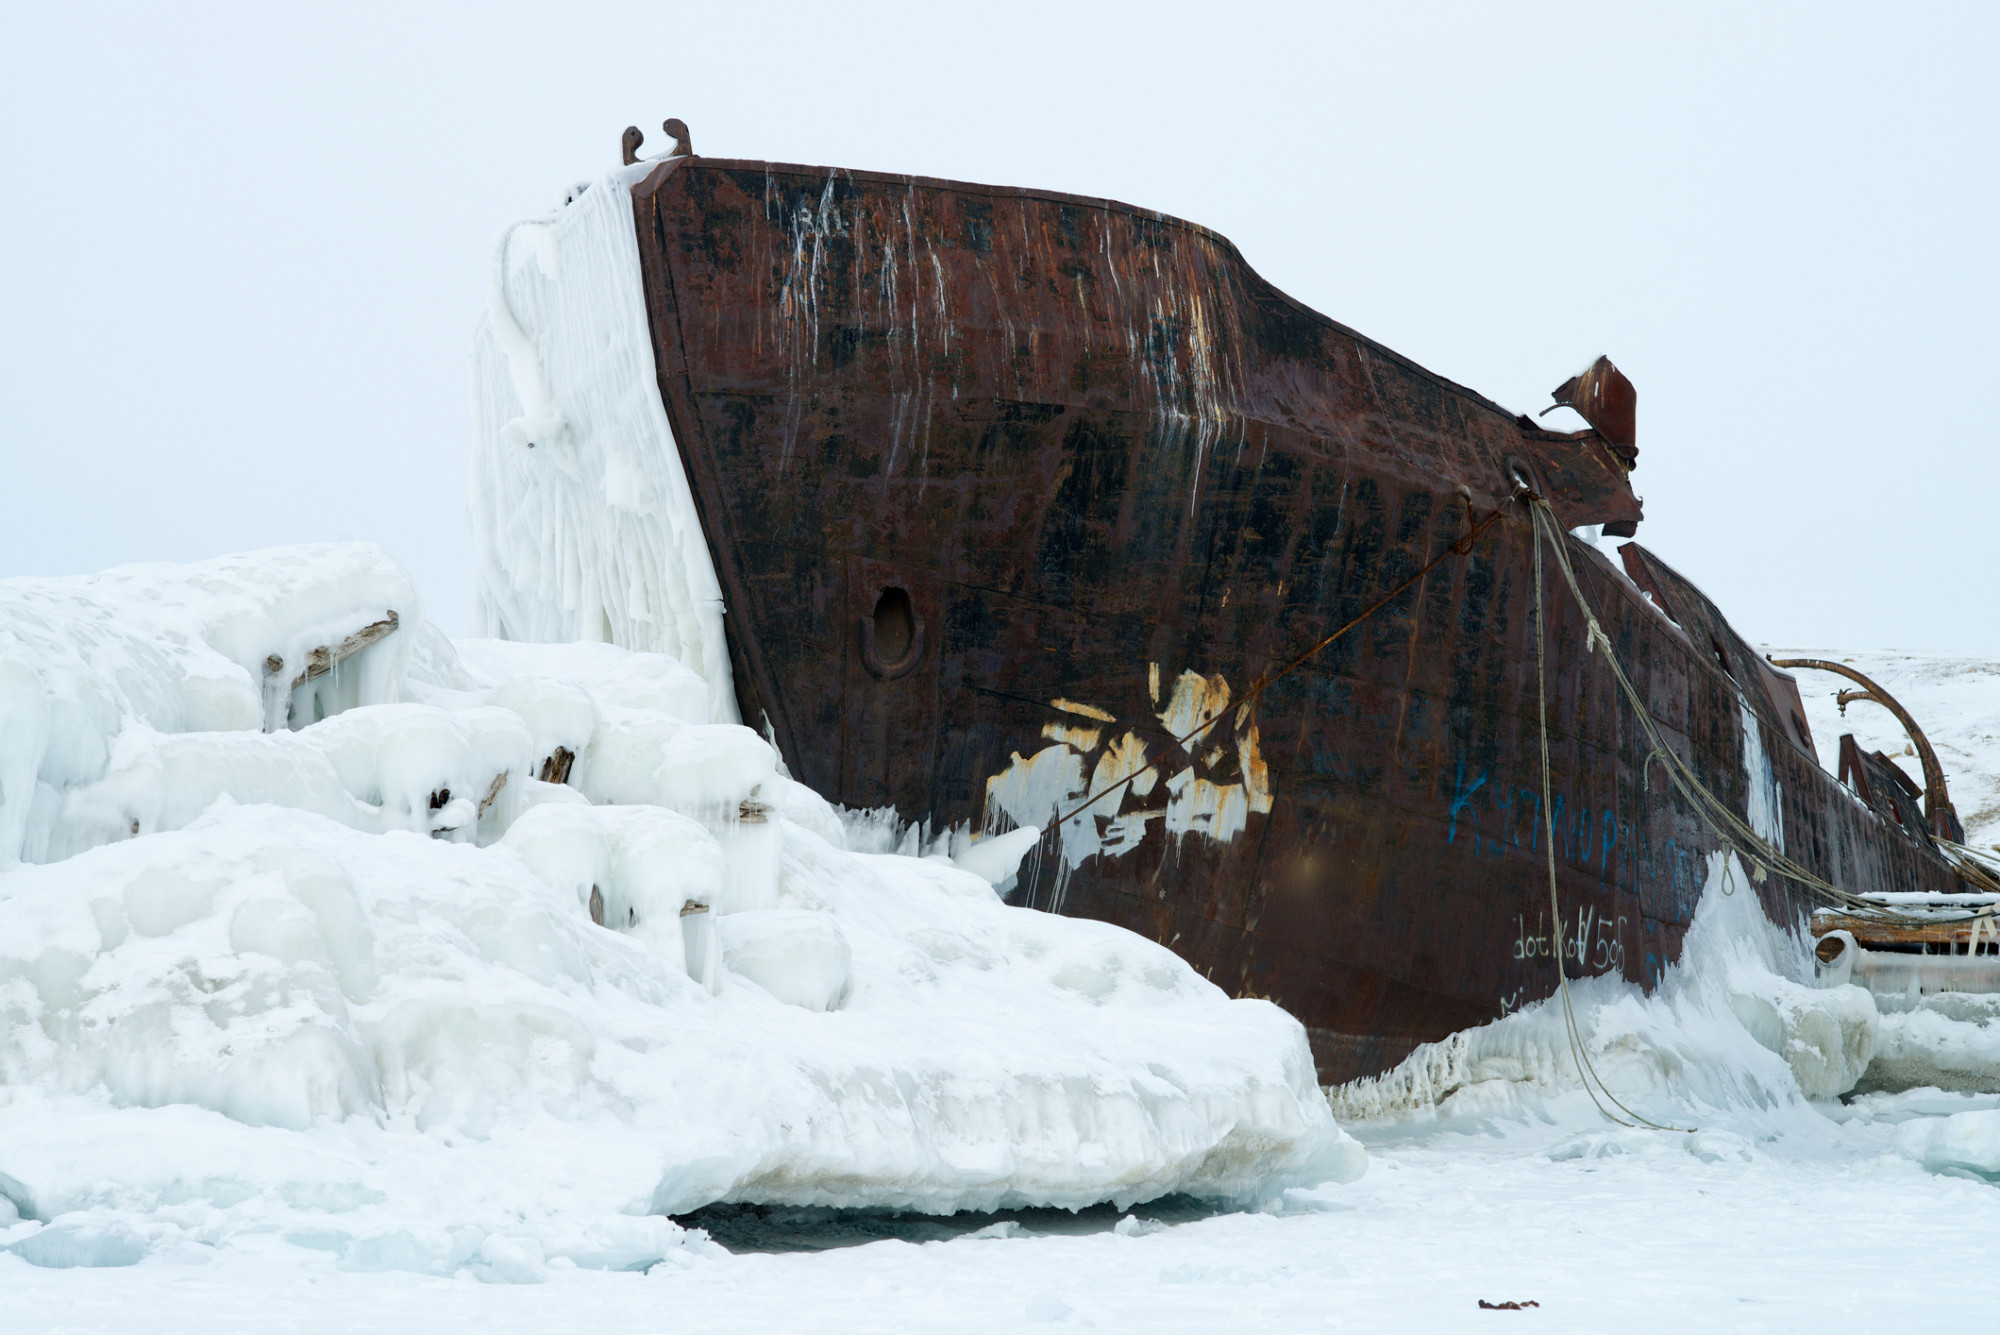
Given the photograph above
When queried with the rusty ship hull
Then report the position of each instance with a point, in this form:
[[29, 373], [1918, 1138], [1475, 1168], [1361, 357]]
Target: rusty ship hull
[[1005, 488]]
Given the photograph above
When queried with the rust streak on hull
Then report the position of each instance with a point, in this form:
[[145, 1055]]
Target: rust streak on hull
[[1101, 459]]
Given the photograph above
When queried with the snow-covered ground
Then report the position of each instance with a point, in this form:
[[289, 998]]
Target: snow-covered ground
[[1822, 1229], [1796, 1223]]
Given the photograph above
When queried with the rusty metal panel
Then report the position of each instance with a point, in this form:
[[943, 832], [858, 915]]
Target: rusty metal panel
[[1603, 397], [1121, 478]]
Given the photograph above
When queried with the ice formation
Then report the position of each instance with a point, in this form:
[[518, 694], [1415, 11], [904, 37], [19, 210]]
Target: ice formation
[[1736, 1046], [1947, 1040], [112, 685], [1738, 1021], [581, 512], [1766, 796], [375, 982]]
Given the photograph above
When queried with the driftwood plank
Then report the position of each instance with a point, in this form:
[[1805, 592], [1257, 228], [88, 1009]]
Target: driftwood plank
[[493, 793], [323, 659], [318, 663]]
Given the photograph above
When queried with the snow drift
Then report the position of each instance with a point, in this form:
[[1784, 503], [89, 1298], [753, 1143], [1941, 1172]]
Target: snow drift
[[367, 982]]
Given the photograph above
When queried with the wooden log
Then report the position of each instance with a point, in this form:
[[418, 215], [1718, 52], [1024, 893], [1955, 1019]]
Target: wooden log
[[555, 769], [493, 793], [323, 659], [1870, 931], [318, 663]]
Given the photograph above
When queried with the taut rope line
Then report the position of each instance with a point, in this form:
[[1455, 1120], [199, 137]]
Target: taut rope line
[[1585, 1071], [1735, 833]]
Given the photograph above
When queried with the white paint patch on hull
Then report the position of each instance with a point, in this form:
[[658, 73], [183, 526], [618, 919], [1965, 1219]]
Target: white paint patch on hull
[[1211, 782]]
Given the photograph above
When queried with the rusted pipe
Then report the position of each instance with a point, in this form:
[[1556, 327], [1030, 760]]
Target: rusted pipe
[[1937, 802]]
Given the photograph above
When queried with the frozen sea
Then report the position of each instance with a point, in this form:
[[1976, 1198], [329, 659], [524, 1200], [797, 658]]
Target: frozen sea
[[1823, 1228]]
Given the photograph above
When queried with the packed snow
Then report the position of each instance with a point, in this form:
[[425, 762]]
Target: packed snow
[[368, 985]]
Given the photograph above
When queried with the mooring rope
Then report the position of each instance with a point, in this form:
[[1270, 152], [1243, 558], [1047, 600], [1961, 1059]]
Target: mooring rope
[[1586, 1071], [1735, 833], [1737, 836]]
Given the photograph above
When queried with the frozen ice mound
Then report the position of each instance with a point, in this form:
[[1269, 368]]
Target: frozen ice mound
[[1947, 1040], [1964, 1143], [385, 998], [374, 985], [1944, 1131], [217, 646], [82, 1241], [1736, 1023]]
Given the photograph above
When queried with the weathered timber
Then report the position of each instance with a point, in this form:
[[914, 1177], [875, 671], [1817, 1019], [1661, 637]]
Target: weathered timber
[[555, 767], [282, 677], [1955, 933], [322, 660], [493, 791]]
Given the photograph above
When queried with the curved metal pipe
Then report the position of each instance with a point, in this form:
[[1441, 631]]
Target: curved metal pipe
[[1937, 801]]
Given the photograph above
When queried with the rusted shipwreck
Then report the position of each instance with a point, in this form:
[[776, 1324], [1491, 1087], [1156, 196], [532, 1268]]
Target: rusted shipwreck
[[1016, 500]]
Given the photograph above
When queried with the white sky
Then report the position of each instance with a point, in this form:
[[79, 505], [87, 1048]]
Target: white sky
[[247, 244]]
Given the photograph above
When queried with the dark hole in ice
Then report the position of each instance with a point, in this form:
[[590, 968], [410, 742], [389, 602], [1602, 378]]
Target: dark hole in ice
[[439, 798], [785, 1228], [895, 626]]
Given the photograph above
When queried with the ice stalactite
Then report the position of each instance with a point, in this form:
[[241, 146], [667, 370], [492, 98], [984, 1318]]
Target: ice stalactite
[[1766, 804], [582, 517]]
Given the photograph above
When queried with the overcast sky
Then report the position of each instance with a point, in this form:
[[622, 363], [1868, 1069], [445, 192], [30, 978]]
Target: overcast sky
[[246, 246]]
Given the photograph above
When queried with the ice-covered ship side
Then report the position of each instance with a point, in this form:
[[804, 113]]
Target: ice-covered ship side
[[1007, 490]]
